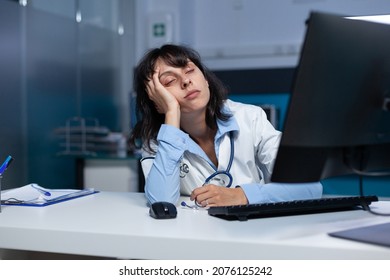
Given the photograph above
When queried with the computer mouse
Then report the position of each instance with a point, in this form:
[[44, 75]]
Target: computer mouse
[[163, 210]]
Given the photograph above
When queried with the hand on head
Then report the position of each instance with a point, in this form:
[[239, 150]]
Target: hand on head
[[162, 98], [165, 102]]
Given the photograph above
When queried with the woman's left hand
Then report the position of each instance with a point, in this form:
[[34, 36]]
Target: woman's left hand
[[213, 195]]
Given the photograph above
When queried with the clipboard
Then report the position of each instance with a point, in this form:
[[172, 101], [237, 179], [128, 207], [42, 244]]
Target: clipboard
[[37, 196]]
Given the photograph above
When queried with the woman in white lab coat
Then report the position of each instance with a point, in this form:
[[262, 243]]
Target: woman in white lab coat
[[198, 143]]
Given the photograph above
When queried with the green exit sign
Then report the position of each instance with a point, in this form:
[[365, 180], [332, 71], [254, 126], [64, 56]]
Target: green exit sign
[[159, 30]]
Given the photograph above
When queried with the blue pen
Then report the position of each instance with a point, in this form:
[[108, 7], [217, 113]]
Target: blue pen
[[40, 190], [5, 164]]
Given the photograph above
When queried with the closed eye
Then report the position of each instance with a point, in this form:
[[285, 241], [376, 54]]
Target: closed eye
[[190, 71], [169, 82], [167, 79]]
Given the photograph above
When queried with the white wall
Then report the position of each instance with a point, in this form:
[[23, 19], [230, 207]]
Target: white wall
[[243, 33]]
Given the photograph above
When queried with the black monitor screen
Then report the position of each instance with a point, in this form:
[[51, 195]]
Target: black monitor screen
[[338, 119]]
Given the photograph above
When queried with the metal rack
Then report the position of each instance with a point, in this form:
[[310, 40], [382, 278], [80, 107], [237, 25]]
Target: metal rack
[[80, 134]]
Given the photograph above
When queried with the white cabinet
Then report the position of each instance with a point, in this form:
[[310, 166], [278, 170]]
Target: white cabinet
[[119, 175]]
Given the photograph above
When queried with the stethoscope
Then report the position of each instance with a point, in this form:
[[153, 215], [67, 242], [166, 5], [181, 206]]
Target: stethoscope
[[219, 177], [224, 173]]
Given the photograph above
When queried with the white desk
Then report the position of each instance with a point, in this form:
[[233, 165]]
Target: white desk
[[111, 224]]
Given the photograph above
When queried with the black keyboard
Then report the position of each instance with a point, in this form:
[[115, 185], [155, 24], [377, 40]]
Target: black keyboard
[[295, 207]]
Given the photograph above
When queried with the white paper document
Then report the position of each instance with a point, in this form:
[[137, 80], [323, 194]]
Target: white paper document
[[35, 195]]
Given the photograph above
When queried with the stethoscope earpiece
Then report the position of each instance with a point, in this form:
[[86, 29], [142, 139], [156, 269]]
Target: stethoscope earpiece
[[184, 204]]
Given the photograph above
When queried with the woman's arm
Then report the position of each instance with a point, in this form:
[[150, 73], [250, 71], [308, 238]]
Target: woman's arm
[[274, 192], [162, 170]]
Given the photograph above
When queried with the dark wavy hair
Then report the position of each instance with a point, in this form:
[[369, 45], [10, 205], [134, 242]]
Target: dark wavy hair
[[149, 120]]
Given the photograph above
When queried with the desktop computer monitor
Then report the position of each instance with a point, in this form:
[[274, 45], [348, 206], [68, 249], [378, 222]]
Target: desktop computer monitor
[[338, 119]]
